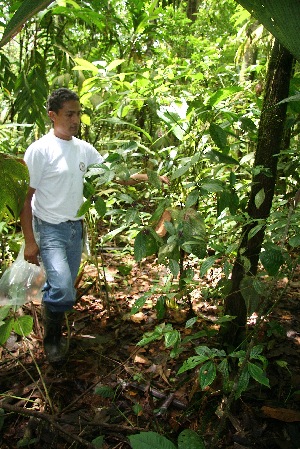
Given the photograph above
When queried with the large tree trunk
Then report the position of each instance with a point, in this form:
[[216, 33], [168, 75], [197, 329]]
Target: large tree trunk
[[270, 138]]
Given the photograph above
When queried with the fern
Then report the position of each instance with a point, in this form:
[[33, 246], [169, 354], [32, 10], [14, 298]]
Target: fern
[[14, 182]]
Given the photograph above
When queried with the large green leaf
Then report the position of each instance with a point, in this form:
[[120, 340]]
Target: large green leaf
[[189, 439], [14, 183], [145, 244], [150, 440], [193, 233], [5, 330], [23, 325], [281, 18], [27, 10], [258, 374], [272, 259], [207, 374]]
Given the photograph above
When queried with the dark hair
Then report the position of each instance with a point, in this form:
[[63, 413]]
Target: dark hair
[[59, 97]]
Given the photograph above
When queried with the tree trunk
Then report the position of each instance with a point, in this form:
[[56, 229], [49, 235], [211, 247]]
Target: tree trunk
[[269, 144], [192, 9]]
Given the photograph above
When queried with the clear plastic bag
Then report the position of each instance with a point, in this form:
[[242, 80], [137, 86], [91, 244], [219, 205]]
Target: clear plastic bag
[[86, 249], [22, 282]]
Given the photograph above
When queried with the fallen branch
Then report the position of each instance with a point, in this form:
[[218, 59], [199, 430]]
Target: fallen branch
[[166, 404], [51, 420], [170, 399]]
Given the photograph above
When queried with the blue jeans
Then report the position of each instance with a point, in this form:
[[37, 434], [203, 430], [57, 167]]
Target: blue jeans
[[60, 250]]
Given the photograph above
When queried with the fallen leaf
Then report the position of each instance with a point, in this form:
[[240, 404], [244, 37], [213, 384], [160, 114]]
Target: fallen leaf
[[282, 414]]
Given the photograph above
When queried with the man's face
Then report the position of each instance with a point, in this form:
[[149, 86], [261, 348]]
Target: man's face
[[66, 121]]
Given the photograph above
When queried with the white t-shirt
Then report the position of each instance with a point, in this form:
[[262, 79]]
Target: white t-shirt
[[56, 168]]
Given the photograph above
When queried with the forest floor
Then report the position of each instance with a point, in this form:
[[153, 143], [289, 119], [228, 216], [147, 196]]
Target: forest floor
[[111, 388]]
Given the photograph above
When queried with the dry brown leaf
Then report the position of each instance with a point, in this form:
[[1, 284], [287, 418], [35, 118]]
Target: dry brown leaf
[[141, 359], [282, 414]]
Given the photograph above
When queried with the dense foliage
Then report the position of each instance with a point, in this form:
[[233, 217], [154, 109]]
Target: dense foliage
[[162, 92]]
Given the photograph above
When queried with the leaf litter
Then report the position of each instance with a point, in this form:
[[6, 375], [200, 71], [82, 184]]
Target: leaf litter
[[110, 388]]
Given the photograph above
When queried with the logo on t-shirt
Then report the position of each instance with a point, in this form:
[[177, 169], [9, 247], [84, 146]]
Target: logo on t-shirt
[[82, 166]]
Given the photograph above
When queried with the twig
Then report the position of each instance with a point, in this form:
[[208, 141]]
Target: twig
[[156, 393], [50, 419], [163, 409]]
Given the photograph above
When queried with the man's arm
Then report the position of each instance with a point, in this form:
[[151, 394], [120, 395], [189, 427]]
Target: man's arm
[[31, 249], [140, 177]]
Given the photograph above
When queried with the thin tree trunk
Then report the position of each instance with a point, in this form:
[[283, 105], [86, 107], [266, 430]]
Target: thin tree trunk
[[270, 138]]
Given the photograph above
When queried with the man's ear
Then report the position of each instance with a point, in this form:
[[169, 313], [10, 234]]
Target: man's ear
[[51, 115]]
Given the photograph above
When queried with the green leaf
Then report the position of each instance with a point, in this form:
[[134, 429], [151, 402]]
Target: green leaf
[[255, 230], [189, 439], [272, 259], [207, 264], [139, 303], [27, 9], [220, 158], [278, 18], [88, 190], [223, 94], [100, 206], [84, 208], [193, 233], [112, 65], [160, 307], [225, 319], [223, 367], [243, 382], [191, 322], [218, 135], [181, 171], [132, 216], [105, 391], [98, 442], [250, 295], [212, 185], [83, 64], [14, 182], [4, 311], [192, 198], [172, 338], [174, 267], [137, 409], [294, 241], [145, 244], [154, 178], [207, 374], [258, 374], [150, 440], [192, 362], [259, 198], [149, 337], [116, 121], [228, 199], [23, 325], [5, 330], [256, 351]]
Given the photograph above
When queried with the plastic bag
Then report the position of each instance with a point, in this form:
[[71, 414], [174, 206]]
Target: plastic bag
[[86, 249], [22, 282]]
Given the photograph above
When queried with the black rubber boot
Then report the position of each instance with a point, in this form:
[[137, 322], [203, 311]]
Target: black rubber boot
[[54, 345]]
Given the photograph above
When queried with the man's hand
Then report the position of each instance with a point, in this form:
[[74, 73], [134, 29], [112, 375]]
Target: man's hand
[[164, 179], [31, 253]]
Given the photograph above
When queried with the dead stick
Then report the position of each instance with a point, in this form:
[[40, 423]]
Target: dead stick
[[49, 419], [165, 405], [156, 393]]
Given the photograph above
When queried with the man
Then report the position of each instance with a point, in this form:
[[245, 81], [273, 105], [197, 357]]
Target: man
[[57, 163]]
